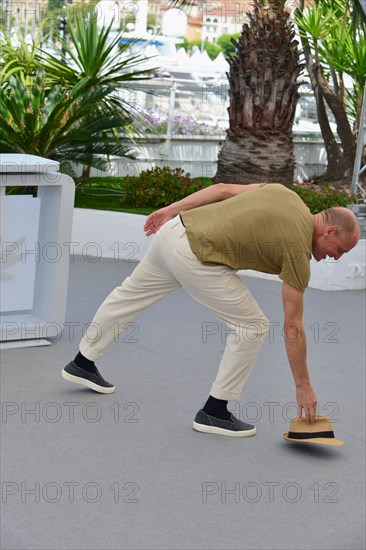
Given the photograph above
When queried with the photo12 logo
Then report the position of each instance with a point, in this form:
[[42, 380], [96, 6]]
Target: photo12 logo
[[253, 492], [325, 332], [271, 411], [70, 412], [72, 330], [69, 491], [52, 252]]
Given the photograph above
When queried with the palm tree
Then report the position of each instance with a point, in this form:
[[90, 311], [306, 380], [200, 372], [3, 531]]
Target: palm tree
[[334, 43], [263, 98], [58, 125], [104, 61], [97, 65], [95, 54], [263, 94]]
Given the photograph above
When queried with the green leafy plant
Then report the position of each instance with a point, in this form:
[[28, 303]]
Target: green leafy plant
[[211, 48], [332, 33], [60, 125], [73, 107], [226, 44], [326, 197], [159, 187], [19, 57], [97, 55]]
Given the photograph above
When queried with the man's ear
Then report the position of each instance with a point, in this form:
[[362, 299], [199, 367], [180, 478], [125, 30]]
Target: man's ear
[[330, 230]]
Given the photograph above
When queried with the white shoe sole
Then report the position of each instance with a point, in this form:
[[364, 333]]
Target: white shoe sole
[[221, 431], [87, 383]]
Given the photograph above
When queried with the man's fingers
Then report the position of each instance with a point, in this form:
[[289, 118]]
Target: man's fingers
[[151, 231], [149, 226], [310, 415], [307, 405]]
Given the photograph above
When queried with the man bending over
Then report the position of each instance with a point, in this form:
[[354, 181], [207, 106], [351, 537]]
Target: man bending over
[[200, 243]]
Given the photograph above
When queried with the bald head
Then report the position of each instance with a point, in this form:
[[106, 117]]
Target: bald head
[[336, 231], [344, 220]]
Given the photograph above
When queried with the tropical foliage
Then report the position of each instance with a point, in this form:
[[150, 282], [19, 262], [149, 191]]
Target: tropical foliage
[[212, 49], [160, 186], [52, 124], [223, 44], [93, 54], [19, 57], [333, 42], [73, 107], [333, 34], [225, 41]]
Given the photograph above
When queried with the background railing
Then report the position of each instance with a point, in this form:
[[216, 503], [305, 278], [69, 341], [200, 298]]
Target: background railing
[[187, 125]]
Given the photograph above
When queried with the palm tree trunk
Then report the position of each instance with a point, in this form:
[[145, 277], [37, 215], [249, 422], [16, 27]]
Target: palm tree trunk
[[87, 166], [85, 173], [334, 154], [343, 127], [263, 81], [252, 157]]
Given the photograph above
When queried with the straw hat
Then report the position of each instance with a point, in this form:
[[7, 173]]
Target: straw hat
[[321, 432]]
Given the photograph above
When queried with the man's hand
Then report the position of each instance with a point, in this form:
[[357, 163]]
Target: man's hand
[[307, 401], [156, 219]]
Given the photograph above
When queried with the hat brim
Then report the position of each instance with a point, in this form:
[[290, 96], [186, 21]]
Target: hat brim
[[332, 441]]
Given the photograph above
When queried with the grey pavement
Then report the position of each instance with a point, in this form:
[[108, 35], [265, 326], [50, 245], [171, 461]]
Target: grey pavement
[[127, 471]]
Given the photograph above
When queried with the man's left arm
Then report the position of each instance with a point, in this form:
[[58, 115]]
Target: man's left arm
[[295, 341], [214, 193]]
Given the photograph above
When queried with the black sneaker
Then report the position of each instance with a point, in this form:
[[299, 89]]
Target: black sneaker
[[232, 427], [92, 380]]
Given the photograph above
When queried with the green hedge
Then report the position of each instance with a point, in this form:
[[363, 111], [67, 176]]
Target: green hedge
[[160, 186], [325, 197]]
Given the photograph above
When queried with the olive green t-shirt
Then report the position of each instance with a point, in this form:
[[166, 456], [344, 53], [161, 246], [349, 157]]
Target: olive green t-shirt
[[268, 229]]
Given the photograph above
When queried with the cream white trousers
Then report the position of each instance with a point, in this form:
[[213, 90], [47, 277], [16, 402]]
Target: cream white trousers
[[170, 264]]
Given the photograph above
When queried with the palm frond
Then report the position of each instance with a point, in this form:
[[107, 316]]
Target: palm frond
[[19, 56], [60, 126]]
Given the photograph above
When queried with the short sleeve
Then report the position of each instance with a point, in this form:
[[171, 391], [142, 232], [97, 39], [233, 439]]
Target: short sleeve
[[295, 268]]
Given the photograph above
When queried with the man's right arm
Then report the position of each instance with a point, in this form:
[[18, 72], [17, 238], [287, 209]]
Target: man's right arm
[[214, 193], [295, 341]]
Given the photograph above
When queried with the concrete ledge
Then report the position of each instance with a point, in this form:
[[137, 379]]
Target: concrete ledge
[[102, 234]]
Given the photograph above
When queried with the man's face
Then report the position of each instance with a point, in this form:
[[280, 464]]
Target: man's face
[[333, 245]]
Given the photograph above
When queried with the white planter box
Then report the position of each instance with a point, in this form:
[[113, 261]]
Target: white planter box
[[35, 308], [19, 233]]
